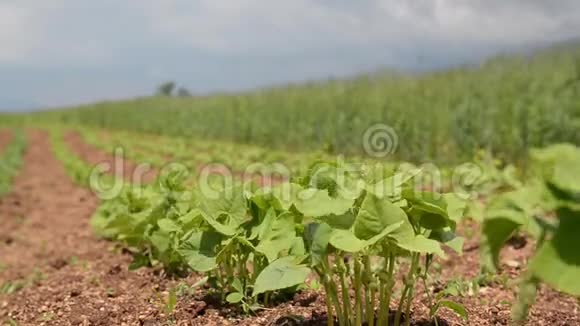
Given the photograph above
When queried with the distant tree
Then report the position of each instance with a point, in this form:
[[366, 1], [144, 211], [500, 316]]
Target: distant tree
[[166, 89], [183, 92]]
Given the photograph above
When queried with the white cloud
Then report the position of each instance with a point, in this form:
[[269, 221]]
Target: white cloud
[[247, 25], [43, 33], [92, 44], [17, 34], [75, 31]]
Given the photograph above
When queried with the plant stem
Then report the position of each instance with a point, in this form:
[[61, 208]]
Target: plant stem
[[432, 310], [409, 282], [411, 293], [400, 308], [386, 290], [257, 267], [325, 274], [526, 297], [222, 283], [329, 317], [357, 291], [429, 297], [381, 318], [344, 287], [241, 273], [369, 291], [339, 313], [528, 290], [229, 269], [390, 285]]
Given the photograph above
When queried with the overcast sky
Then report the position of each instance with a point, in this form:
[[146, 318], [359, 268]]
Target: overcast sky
[[63, 52]]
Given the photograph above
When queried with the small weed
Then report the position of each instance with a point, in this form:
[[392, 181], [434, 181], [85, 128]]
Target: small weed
[[95, 280], [10, 287], [11, 322], [314, 285], [47, 316], [36, 277], [183, 289], [170, 301], [111, 293]]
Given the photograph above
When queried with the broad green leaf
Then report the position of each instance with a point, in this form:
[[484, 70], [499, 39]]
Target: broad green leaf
[[565, 175], [263, 200], [346, 241], [167, 225], [376, 214], [338, 179], [263, 228], [317, 237], [190, 217], [430, 202], [458, 308], [431, 209], [282, 273], [449, 238], [277, 235], [281, 197], [391, 187], [498, 227], [200, 250], [315, 203], [120, 224], [456, 244], [237, 285], [456, 207], [506, 214], [431, 221], [526, 199], [343, 221], [421, 244], [558, 260], [161, 241], [99, 223], [297, 248], [224, 229], [285, 195], [476, 211], [234, 297], [561, 167], [231, 202]]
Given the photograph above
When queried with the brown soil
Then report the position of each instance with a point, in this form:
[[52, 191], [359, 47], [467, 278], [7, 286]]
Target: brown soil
[[118, 164], [70, 277], [489, 302]]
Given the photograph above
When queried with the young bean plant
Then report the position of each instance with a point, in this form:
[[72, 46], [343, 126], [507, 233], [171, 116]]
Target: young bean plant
[[547, 208], [354, 230]]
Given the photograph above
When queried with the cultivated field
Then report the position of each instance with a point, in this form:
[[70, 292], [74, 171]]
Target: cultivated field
[[446, 199]]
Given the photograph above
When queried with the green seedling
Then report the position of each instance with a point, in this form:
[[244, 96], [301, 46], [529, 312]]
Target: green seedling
[[554, 187]]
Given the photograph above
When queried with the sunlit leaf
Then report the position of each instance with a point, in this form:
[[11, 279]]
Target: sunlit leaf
[[282, 273], [376, 214]]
